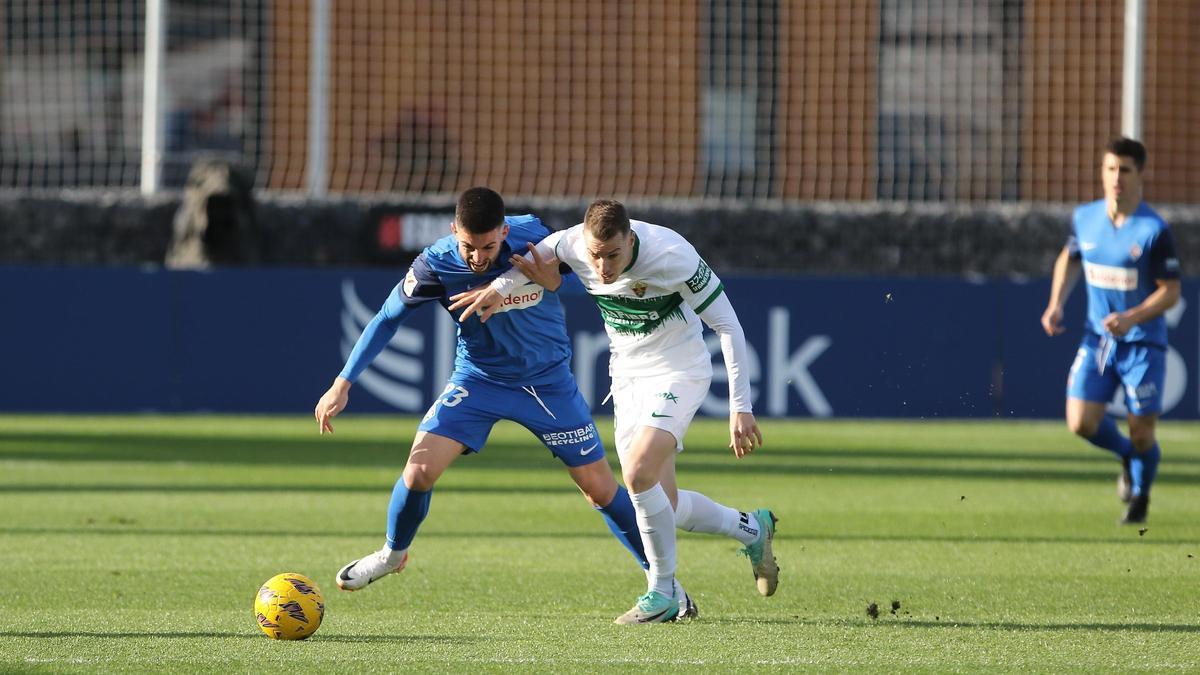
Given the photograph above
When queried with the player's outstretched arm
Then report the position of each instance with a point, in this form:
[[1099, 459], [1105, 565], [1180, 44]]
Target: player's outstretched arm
[[332, 402], [744, 434], [375, 337]]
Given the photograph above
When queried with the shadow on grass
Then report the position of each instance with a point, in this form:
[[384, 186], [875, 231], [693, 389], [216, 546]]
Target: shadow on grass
[[567, 489], [352, 639], [949, 624], [52, 635], [1128, 538], [1103, 473], [1023, 627], [55, 634], [317, 451]]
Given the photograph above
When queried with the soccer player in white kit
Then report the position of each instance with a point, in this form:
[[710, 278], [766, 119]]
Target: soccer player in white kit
[[653, 289]]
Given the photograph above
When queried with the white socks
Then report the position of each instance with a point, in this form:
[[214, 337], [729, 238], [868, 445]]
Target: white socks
[[393, 556], [656, 521], [695, 512]]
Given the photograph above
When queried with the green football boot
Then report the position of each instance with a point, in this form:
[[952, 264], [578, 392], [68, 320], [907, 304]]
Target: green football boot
[[762, 557], [653, 607]]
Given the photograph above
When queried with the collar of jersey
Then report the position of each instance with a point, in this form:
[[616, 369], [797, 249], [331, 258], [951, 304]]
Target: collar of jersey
[[636, 245]]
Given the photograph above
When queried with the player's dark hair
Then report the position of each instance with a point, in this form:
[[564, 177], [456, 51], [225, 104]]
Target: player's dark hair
[[605, 219], [480, 210], [1122, 146]]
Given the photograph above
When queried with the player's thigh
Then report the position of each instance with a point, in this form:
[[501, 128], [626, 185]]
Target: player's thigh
[[668, 403], [465, 411], [1142, 369], [1084, 417], [648, 459], [431, 454], [559, 416], [1091, 378]]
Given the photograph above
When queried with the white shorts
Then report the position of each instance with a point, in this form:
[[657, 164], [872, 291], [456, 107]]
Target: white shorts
[[667, 402]]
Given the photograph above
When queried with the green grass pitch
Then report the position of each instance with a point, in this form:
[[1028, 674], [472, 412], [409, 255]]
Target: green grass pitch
[[137, 544]]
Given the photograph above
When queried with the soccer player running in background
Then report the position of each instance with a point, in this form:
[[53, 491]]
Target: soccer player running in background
[[515, 368], [1131, 271], [653, 289]]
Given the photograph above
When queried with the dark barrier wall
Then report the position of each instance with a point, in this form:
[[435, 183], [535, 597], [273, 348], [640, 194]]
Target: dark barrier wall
[[122, 339], [881, 239]]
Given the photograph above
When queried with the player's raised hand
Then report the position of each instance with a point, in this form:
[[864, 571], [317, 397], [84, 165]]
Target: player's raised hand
[[333, 402], [1052, 321], [744, 434], [541, 271], [482, 299]]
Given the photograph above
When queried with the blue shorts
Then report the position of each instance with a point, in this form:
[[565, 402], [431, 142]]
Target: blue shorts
[[1103, 364], [557, 414]]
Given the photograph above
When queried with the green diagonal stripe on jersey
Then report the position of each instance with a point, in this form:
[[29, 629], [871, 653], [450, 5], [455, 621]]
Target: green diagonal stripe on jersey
[[638, 316]]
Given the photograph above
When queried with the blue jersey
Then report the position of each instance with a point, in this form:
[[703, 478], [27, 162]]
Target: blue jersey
[[1121, 265], [524, 342]]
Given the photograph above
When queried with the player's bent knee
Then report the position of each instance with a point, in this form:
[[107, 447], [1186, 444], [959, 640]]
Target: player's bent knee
[[599, 493], [1083, 428], [1143, 440], [419, 477], [640, 481]]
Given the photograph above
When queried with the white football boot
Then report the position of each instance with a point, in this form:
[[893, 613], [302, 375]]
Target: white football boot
[[366, 570]]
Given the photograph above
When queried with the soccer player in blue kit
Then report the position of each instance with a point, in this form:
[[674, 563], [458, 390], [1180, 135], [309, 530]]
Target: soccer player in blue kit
[[516, 368], [1131, 270]]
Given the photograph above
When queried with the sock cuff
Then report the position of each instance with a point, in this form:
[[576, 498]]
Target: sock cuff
[[1105, 428], [683, 507], [615, 501], [651, 501]]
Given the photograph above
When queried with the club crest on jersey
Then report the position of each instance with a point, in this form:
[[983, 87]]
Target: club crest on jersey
[[1135, 252], [639, 288]]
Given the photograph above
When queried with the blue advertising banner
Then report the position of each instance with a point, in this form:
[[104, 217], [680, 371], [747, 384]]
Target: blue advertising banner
[[251, 341]]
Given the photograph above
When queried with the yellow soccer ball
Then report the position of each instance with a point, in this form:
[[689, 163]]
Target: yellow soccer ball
[[289, 607]]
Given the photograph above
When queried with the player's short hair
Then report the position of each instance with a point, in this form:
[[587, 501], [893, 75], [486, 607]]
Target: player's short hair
[[480, 210], [1122, 146], [605, 219]]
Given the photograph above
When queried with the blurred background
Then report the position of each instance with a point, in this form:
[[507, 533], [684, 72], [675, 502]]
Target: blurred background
[[202, 203]]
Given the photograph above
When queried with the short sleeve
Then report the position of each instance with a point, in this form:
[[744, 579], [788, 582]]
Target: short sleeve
[[693, 279], [421, 284], [1072, 242], [1164, 260]]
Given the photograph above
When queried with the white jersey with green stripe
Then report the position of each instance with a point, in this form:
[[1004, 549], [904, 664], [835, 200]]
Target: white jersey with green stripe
[[650, 311]]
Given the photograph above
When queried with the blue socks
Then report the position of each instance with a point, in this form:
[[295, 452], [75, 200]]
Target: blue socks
[[405, 513], [1143, 467], [622, 521], [1107, 436]]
